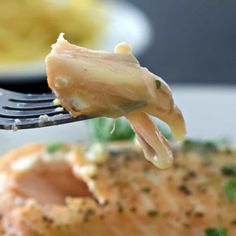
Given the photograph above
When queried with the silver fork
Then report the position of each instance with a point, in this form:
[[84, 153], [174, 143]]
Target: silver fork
[[24, 111]]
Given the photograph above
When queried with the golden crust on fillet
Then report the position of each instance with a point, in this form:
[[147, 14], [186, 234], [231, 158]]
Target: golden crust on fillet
[[57, 194]]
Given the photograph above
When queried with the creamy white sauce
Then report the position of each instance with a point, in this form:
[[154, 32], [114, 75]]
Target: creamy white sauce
[[43, 118], [86, 171], [78, 103], [59, 109], [97, 154], [61, 82], [56, 102], [25, 163]]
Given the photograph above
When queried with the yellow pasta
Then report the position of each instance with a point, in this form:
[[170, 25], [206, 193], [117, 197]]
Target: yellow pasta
[[28, 28]]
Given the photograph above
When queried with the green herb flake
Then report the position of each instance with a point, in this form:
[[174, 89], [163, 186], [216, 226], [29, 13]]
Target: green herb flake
[[184, 188], [53, 147], [233, 222], [216, 232], [229, 170], [200, 146], [152, 213], [228, 151], [120, 209], [146, 190], [207, 146], [103, 129], [47, 220], [230, 189], [88, 214], [158, 84]]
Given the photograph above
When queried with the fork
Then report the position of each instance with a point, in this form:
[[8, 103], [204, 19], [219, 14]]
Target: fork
[[24, 111]]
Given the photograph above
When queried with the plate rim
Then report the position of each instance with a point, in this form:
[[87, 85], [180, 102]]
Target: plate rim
[[35, 70]]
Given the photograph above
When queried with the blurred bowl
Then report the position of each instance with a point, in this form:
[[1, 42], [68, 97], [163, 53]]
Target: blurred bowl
[[126, 23]]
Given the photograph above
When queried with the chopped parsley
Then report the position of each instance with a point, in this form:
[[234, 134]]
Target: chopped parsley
[[47, 220], [200, 146], [120, 209], [152, 213], [216, 232], [107, 129], [228, 151], [207, 146], [230, 189], [184, 188], [158, 84], [229, 170], [146, 190], [233, 222], [88, 214], [53, 147]]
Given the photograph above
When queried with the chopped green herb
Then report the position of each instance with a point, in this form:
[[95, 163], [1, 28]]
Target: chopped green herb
[[53, 147], [120, 209], [191, 174], [216, 232], [230, 189], [47, 220], [146, 190], [107, 129], [207, 146], [233, 222], [229, 170], [88, 214], [158, 83], [184, 188], [101, 130], [228, 151], [152, 213], [200, 146]]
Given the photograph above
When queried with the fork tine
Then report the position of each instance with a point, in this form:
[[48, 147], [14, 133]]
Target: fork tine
[[26, 98], [15, 103], [12, 113], [45, 96], [11, 124], [29, 106], [24, 111], [20, 97]]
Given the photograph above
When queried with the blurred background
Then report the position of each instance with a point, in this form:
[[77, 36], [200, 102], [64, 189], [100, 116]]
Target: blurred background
[[182, 41], [190, 43], [194, 40]]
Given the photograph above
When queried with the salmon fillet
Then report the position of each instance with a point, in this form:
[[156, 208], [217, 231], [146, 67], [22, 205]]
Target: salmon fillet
[[113, 84], [64, 193]]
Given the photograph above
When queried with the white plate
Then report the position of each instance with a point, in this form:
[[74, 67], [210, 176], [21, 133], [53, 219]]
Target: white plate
[[209, 111], [127, 23]]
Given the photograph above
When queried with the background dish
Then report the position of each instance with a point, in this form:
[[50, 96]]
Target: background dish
[[209, 120], [124, 19]]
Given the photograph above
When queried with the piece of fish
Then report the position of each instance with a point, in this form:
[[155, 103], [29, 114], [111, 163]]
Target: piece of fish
[[96, 83], [65, 194]]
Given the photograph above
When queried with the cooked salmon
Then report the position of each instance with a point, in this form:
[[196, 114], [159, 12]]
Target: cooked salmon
[[62, 192], [113, 84]]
